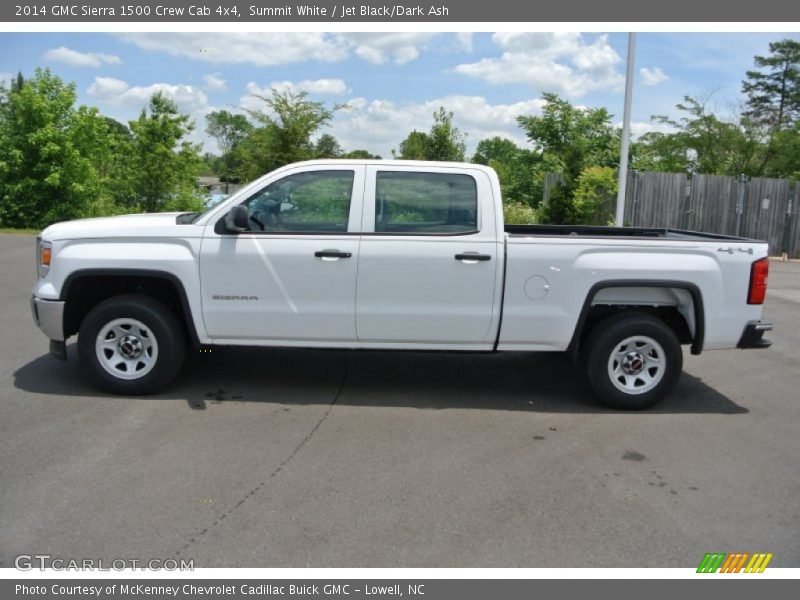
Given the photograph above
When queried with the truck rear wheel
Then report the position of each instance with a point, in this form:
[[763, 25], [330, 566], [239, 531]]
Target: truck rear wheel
[[634, 360], [131, 344]]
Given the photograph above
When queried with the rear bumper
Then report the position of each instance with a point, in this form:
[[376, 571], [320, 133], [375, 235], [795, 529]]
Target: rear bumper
[[49, 317], [752, 335]]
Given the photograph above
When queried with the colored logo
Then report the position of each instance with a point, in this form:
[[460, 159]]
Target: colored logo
[[714, 562]]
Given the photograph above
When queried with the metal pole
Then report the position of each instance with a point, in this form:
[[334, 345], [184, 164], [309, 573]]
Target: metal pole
[[740, 203], [626, 132]]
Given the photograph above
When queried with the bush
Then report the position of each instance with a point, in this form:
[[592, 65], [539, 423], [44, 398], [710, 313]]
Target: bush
[[595, 195], [517, 213], [559, 208], [104, 207]]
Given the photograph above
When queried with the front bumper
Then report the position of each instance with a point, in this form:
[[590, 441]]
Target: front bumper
[[752, 335], [49, 317]]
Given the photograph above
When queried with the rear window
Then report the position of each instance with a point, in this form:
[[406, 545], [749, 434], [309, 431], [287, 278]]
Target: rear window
[[425, 203]]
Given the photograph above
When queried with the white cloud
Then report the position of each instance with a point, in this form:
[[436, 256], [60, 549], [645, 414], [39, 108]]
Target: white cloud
[[465, 40], [114, 92], [74, 58], [259, 49], [379, 48], [322, 87], [380, 125], [107, 90], [652, 76], [215, 82], [267, 49], [560, 62], [639, 128]]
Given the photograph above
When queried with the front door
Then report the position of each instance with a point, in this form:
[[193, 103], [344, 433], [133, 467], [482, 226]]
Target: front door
[[291, 277]]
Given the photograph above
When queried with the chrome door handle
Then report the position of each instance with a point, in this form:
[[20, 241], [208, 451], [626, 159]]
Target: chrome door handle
[[472, 257], [332, 254]]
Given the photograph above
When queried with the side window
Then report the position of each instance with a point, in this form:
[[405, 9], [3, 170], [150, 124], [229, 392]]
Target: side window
[[425, 203], [309, 202]]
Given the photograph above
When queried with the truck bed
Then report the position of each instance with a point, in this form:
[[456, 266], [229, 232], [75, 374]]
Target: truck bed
[[595, 231]]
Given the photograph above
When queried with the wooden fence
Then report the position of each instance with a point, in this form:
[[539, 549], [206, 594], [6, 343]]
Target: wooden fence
[[759, 208]]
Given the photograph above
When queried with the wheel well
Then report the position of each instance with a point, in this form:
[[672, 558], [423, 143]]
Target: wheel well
[[668, 314], [678, 304], [84, 292]]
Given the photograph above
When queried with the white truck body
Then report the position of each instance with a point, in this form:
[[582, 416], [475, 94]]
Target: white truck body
[[529, 288]]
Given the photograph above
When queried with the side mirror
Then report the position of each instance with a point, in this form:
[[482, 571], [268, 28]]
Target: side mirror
[[236, 220]]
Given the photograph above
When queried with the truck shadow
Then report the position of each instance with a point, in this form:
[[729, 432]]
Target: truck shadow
[[529, 382]]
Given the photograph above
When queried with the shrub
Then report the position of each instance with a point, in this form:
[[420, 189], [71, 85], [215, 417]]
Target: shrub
[[517, 213]]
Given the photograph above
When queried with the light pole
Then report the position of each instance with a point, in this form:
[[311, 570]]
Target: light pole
[[626, 132]]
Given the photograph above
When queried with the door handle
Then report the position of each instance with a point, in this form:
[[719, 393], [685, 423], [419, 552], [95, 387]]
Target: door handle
[[332, 254], [472, 257]]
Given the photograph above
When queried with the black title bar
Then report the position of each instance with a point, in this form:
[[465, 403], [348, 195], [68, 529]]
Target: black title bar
[[447, 11]]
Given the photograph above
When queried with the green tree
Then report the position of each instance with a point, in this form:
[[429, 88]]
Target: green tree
[[497, 149], [229, 130], [445, 141], [48, 150], [786, 159], [164, 164], [516, 168], [559, 208], [361, 154], [773, 92], [327, 147], [595, 195], [284, 132], [414, 147], [700, 142], [17, 82], [773, 103], [567, 139], [660, 151]]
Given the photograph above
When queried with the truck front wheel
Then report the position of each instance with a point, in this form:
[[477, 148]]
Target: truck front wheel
[[634, 360], [131, 344]]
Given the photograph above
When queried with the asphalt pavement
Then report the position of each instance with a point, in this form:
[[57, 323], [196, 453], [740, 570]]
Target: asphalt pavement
[[295, 458]]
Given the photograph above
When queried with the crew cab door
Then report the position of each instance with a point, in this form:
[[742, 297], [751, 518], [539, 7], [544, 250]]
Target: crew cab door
[[290, 278], [428, 263]]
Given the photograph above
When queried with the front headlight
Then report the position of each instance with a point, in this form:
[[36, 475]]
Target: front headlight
[[44, 254]]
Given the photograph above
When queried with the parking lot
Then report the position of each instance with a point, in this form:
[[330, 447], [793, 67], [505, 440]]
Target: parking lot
[[298, 458]]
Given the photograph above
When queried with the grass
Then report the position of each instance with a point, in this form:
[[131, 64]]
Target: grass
[[18, 231]]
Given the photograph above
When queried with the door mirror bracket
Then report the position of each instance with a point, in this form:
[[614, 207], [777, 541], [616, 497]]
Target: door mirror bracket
[[236, 221]]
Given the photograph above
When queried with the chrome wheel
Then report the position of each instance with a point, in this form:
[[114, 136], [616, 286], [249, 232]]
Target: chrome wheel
[[126, 348], [637, 364]]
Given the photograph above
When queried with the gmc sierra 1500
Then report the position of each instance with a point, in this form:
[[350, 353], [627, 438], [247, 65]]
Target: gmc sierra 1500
[[392, 255]]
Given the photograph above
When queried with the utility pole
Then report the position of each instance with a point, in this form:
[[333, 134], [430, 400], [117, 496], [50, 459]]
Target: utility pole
[[626, 133]]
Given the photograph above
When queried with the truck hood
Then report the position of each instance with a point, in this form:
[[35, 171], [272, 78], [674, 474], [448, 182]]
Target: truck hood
[[141, 225]]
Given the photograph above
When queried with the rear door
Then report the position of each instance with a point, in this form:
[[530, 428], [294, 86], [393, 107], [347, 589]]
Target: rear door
[[291, 278], [427, 273]]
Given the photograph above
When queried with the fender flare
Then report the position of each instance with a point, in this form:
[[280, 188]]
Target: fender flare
[[694, 292], [154, 273]]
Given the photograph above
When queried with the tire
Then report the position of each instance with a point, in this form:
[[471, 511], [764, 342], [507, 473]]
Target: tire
[[634, 360], [131, 345]]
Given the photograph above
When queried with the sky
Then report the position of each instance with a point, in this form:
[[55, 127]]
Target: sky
[[393, 82]]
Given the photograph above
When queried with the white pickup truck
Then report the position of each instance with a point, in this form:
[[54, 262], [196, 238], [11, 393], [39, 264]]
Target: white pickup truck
[[392, 255]]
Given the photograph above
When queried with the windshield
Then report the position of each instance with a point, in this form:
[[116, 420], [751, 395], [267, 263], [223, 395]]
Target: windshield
[[214, 200]]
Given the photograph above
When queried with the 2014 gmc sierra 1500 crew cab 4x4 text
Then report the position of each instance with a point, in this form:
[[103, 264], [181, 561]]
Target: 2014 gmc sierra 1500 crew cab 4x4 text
[[392, 255]]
